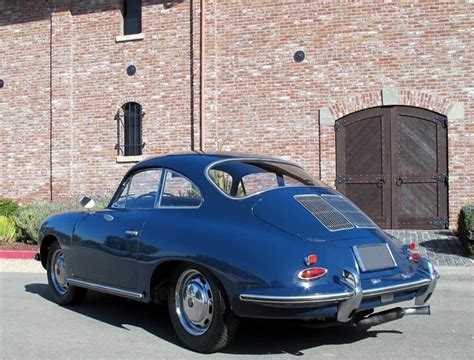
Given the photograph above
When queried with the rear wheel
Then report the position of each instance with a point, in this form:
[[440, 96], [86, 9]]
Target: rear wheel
[[198, 311], [63, 293]]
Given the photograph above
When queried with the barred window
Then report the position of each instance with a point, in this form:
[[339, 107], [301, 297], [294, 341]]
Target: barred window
[[129, 130], [132, 17]]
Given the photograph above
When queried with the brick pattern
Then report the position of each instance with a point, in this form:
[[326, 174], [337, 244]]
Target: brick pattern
[[257, 98]]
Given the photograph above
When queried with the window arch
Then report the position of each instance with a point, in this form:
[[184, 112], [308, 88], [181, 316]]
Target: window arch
[[131, 123]]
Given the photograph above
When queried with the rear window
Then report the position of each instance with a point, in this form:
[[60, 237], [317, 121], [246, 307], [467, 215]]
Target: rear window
[[242, 178]]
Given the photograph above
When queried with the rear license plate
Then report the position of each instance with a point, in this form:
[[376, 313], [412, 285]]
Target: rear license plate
[[374, 257]]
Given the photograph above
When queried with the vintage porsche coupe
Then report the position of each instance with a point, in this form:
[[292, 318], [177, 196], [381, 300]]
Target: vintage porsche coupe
[[219, 237]]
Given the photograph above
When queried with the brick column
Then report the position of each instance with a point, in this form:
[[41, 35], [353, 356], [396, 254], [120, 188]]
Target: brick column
[[327, 146]]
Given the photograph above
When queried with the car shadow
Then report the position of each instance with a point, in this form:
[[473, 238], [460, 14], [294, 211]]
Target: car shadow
[[253, 338]]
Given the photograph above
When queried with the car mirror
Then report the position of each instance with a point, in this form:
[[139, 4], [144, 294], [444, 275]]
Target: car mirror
[[87, 202]]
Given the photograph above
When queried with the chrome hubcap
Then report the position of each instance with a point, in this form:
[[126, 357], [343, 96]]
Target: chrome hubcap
[[58, 272], [194, 302]]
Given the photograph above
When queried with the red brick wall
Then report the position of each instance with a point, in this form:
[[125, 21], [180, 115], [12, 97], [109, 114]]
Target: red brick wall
[[264, 102], [24, 99], [257, 98]]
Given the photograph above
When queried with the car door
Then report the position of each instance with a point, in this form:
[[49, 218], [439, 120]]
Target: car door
[[106, 242]]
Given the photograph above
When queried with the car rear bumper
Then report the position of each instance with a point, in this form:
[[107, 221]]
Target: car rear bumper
[[351, 297]]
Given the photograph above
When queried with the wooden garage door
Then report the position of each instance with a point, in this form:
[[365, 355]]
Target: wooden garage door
[[391, 161]]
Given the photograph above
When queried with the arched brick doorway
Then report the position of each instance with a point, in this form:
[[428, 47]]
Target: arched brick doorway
[[392, 162]]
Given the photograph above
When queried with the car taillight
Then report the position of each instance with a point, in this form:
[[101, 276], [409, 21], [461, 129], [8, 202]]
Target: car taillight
[[310, 259], [312, 273], [415, 257]]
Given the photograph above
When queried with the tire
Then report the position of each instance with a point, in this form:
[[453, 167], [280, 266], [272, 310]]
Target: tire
[[63, 293], [198, 311]]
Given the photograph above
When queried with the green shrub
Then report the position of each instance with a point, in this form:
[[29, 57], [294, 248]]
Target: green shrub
[[28, 219], [8, 207], [7, 230], [101, 201], [466, 228]]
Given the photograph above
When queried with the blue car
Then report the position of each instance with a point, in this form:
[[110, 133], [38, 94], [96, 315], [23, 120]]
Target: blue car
[[220, 237]]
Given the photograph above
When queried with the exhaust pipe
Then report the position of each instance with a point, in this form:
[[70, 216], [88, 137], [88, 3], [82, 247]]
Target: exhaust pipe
[[391, 315]]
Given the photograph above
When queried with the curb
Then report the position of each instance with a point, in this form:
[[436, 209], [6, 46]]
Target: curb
[[17, 254]]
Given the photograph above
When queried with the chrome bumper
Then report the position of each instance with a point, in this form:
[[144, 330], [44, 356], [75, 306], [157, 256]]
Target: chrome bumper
[[349, 300]]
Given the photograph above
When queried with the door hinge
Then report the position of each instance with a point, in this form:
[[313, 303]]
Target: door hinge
[[440, 222], [342, 179], [441, 177], [338, 126]]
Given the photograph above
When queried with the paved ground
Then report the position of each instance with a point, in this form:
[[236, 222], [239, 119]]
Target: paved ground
[[441, 246], [33, 327]]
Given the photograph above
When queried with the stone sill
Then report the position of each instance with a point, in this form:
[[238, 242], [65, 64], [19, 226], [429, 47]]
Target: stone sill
[[129, 159], [132, 37]]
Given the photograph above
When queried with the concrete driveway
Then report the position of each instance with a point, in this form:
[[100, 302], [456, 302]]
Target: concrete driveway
[[33, 327]]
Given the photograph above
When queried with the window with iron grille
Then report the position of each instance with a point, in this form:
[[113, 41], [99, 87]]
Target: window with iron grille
[[129, 130], [132, 17]]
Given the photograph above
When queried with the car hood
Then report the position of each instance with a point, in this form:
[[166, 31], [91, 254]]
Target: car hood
[[287, 209]]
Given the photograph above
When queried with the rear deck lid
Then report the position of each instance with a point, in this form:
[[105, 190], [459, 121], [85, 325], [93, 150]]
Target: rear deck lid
[[312, 213]]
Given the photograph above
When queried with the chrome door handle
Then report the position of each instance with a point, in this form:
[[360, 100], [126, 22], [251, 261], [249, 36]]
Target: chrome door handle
[[131, 233]]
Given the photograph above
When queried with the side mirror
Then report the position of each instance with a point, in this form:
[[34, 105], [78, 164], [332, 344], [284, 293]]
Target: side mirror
[[87, 202]]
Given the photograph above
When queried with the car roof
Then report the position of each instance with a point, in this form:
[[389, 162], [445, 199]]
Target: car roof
[[196, 159]]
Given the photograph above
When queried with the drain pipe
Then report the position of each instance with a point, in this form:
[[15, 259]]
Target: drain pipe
[[202, 60]]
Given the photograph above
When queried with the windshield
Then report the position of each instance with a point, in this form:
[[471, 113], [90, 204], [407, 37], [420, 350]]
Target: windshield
[[241, 178]]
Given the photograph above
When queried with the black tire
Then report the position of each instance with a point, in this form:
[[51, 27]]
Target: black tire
[[67, 294], [223, 324]]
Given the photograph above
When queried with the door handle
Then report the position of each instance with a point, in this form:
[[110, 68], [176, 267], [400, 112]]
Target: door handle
[[399, 181], [380, 183], [131, 233]]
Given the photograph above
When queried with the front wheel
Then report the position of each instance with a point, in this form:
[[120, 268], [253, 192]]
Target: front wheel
[[198, 311], [63, 293]]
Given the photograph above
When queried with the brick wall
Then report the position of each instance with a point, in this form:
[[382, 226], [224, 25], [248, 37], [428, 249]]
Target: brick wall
[[24, 99], [257, 98]]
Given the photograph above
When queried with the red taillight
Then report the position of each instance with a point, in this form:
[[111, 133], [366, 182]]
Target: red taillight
[[310, 259], [412, 246], [415, 257], [312, 273]]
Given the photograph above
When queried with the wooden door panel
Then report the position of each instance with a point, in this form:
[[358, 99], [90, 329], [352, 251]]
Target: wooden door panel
[[417, 146], [418, 156], [390, 161], [363, 172], [368, 197], [363, 144]]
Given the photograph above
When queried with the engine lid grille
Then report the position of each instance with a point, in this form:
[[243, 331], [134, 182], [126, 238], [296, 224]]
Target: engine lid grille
[[326, 214], [335, 212]]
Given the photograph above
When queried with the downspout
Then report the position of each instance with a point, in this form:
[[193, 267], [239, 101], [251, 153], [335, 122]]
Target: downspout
[[51, 103], [202, 49]]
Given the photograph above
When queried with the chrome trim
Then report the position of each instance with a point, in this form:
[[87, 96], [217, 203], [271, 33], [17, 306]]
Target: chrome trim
[[208, 167], [106, 288], [162, 189], [426, 267], [295, 300], [313, 278], [347, 309], [396, 288], [361, 264], [355, 295]]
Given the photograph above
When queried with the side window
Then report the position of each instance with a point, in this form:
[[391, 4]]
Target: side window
[[257, 182], [122, 198], [140, 191], [222, 179], [178, 191]]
